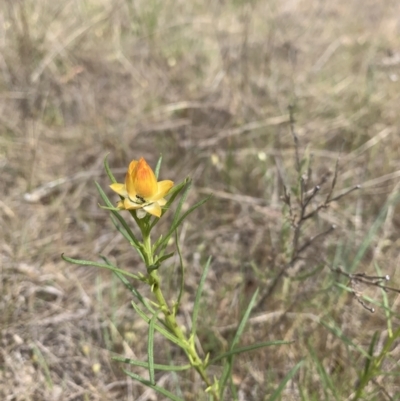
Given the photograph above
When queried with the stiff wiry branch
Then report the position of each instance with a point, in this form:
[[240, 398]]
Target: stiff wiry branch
[[362, 278]]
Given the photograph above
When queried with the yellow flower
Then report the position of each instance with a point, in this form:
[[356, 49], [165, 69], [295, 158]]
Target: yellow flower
[[141, 191]]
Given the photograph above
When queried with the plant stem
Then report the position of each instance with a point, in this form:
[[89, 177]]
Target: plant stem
[[170, 320]]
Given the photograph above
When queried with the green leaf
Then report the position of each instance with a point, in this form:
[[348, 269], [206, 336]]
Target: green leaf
[[182, 277], [227, 370], [177, 221], [101, 265], [163, 258], [371, 348], [325, 377], [366, 298], [172, 194], [132, 236], [168, 368], [108, 171], [120, 228], [371, 235], [150, 348], [158, 167], [244, 320], [196, 305], [153, 386], [247, 349], [388, 311], [339, 334], [130, 287], [283, 383], [160, 329]]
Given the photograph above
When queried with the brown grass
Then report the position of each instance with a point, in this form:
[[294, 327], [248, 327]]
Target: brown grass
[[208, 85]]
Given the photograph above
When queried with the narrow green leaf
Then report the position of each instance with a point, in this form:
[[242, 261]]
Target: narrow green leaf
[[371, 348], [158, 167], [168, 368], [163, 258], [161, 390], [113, 208], [130, 287], [372, 301], [186, 188], [339, 334], [160, 329], [248, 349], [283, 383], [172, 194], [199, 291], [244, 320], [120, 228], [150, 348], [101, 265], [108, 171], [371, 235], [227, 370], [182, 201], [226, 373], [182, 275], [177, 222], [132, 236], [325, 378], [388, 311]]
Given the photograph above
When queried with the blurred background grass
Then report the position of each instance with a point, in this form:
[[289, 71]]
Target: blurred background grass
[[208, 85]]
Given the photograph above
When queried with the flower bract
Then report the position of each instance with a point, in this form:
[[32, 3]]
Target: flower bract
[[141, 190]]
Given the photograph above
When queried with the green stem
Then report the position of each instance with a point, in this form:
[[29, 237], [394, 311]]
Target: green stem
[[170, 320]]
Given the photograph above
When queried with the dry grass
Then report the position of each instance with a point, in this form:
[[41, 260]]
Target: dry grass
[[208, 85]]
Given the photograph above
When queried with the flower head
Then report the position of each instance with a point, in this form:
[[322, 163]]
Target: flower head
[[141, 191]]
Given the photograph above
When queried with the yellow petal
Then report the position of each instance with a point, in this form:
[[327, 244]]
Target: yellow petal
[[132, 165], [131, 205], [130, 186], [143, 179], [162, 201], [120, 189], [163, 188], [154, 209]]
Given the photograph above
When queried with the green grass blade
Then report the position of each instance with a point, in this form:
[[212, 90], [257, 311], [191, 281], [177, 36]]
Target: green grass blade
[[108, 171], [339, 334], [226, 373], [371, 348], [150, 348], [161, 390], [277, 393], [101, 265], [325, 378], [199, 291], [371, 235], [244, 320], [41, 361], [227, 370], [385, 299], [366, 298], [168, 368], [248, 349], [158, 167]]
